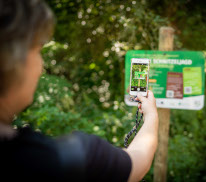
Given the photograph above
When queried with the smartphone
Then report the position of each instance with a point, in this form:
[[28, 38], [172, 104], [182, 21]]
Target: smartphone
[[139, 76]]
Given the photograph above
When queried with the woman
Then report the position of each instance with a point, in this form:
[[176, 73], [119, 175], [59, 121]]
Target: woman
[[25, 25]]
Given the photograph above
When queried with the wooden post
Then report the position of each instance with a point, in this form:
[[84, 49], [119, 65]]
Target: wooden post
[[166, 37]]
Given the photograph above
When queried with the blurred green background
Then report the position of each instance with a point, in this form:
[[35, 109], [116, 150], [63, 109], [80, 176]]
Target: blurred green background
[[82, 87]]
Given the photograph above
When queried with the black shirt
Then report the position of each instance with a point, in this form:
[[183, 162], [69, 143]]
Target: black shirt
[[76, 157]]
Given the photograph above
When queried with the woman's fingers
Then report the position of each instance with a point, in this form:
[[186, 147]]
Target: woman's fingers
[[141, 97]]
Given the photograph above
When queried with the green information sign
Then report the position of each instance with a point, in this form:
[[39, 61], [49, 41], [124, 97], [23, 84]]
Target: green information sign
[[176, 78]]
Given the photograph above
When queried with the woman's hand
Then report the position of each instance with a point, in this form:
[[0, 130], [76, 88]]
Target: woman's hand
[[148, 104]]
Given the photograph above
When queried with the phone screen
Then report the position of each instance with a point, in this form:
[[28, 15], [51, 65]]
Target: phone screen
[[139, 77]]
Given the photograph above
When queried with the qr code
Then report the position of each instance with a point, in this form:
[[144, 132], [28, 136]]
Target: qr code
[[170, 93], [187, 90]]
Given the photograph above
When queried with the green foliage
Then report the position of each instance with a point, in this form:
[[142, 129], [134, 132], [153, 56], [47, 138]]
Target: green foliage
[[186, 146], [188, 18], [98, 34], [143, 83]]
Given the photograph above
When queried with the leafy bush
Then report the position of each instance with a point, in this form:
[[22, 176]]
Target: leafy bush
[[187, 145]]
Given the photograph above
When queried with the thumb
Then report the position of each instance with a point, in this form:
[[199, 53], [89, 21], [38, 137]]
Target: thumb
[[140, 97], [150, 95]]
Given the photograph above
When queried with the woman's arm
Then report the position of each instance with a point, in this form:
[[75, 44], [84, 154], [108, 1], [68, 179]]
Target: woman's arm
[[143, 147]]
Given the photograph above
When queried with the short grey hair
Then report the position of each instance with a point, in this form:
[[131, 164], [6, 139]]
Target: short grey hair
[[24, 24]]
